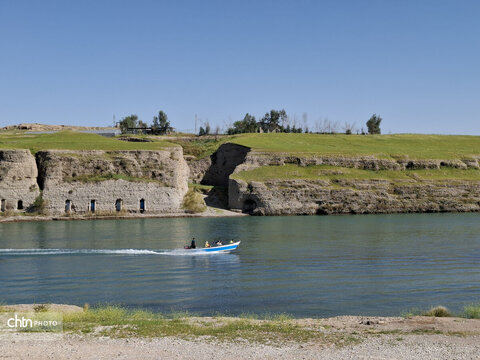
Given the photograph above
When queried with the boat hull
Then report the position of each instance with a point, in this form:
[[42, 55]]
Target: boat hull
[[216, 249]]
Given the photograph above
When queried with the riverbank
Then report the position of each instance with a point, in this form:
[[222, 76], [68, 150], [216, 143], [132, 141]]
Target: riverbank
[[114, 333], [261, 174], [210, 212]]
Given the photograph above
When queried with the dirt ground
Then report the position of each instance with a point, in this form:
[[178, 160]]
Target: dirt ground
[[375, 338]]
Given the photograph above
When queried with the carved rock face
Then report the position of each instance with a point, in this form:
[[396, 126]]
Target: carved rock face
[[18, 179], [141, 181], [72, 179]]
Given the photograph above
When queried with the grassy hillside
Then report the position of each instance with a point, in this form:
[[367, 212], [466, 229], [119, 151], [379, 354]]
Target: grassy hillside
[[69, 140], [382, 146], [200, 146]]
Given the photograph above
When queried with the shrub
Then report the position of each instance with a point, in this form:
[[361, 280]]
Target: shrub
[[438, 311], [193, 202], [38, 206], [472, 311], [40, 308]]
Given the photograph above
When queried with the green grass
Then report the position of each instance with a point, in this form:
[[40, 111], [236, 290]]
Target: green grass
[[472, 311], [383, 146], [200, 147], [204, 189], [70, 140], [118, 322], [332, 173]]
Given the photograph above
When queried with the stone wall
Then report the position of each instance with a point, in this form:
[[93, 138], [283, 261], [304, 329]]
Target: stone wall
[[18, 180], [109, 181], [132, 181]]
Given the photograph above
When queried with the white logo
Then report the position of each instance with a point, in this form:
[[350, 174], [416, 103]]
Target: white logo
[[32, 321]]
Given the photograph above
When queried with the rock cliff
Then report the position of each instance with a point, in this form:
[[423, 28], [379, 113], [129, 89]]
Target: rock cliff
[[320, 196], [18, 180], [108, 181], [156, 182], [254, 159], [99, 181], [308, 197]]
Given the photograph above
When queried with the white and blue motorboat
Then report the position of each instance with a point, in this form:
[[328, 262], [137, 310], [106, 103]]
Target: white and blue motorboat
[[216, 249]]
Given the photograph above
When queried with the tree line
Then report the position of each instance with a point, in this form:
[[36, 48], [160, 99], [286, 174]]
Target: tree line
[[272, 121], [159, 125], [278, 121]]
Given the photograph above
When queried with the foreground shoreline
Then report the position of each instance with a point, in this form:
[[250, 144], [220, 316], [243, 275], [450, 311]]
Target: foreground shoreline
[[185, 337]]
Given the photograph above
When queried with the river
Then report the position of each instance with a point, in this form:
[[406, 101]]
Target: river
[[310, 266]]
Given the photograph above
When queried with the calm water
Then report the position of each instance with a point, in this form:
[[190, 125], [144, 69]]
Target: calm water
[[305, 266]]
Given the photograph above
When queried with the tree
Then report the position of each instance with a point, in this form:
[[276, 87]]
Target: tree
[[207, 128], [141, 124], [247, 125], [271, 121], [161, 124], [202, 131], [128, 122], [373, 124]]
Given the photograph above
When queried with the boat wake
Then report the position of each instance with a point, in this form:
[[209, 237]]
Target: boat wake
[[39, 252]]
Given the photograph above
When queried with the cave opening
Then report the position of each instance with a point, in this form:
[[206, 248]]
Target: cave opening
[[249, 205]]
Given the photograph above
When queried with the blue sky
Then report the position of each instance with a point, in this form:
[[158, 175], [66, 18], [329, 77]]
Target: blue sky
[[416, 63]]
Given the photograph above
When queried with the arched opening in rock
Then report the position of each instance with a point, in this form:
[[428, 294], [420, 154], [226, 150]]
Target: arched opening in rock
[[249, 205], [142, 205], [2, 205], [20, 205], [93, 204], [118, 205], [223, 163], [68, 206]]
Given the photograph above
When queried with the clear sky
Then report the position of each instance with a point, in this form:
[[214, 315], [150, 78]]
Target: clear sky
[[416, 63]]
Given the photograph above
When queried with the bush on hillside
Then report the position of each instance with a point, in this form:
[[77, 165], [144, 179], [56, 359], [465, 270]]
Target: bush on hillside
[[193, 202]]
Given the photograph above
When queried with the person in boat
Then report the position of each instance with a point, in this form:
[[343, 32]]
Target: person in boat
[[193, 245], [231, 241], [207, 244], [219, 243]]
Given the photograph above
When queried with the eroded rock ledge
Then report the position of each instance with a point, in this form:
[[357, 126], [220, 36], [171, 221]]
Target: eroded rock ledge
[[348, 196], [95, 181], [309, 197]]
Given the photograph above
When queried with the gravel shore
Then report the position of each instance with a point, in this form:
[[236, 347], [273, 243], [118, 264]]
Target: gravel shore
[[373, 338]]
